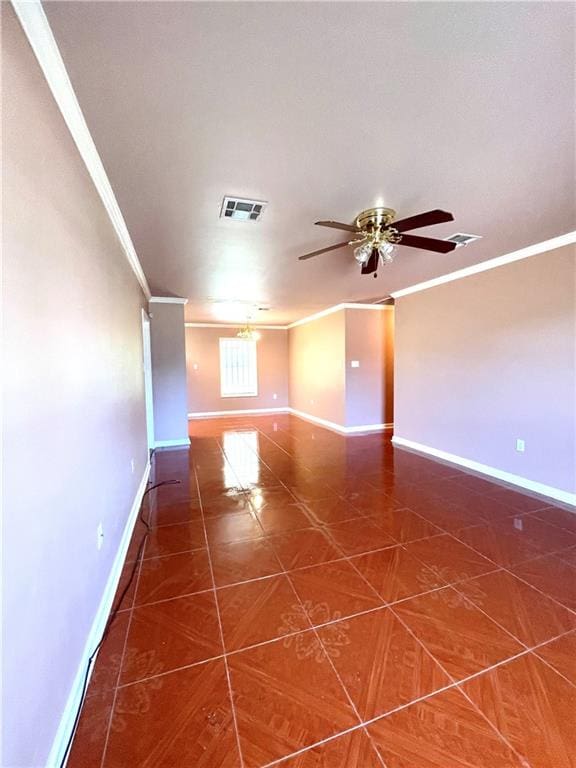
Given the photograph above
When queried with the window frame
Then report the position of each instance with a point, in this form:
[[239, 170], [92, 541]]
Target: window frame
[[224, 342]]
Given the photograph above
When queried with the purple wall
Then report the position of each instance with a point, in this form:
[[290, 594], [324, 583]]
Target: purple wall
[[369, 388], [73, 404], [203, 351], [490, 358], [168, 372]]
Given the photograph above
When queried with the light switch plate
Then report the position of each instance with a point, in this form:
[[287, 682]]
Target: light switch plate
[[355, 364]]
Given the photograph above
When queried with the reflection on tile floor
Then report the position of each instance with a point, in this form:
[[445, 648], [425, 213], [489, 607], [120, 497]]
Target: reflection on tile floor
[[310, 600]]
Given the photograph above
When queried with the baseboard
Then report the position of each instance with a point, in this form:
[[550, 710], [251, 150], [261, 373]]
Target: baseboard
[[241, 412], [340, 428], [185, 441], [507, 477], [69, 715]]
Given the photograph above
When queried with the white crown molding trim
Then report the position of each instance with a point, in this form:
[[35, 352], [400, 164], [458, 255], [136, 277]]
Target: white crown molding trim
[[239, 412], [530, 485], [238, 326], [37, 30], [167, 300], [73, 701], [483, 266], [308, 319], [184, 442], [337, 308]]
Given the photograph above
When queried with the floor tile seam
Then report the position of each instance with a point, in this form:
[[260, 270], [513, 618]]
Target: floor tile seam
[[490, 618], [226, 668], [371, 721], [120, 668], [457, 683], [550, 522], [179, 552], [545, 594], [359, 572], [549, 664], [329, 660], [495, 728], [135, 606], [456, 581], [360, 726], [537, 555]]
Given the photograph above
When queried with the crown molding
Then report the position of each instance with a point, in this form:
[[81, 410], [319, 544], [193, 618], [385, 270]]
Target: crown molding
[[237, 325], [532, 250], [167, 300], [302, 321], [37, 29], [337, 308]]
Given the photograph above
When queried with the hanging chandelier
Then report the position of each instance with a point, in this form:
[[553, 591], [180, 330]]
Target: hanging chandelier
[[248, 333]]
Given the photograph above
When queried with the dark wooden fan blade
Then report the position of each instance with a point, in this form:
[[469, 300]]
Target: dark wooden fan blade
[[321, 250], [423, 220], [427, 243], [337, 225]]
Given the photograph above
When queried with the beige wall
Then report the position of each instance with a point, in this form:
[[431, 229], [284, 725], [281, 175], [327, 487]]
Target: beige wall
[[322, 381], [73, 403], [168, 373], [490, 358], [369, 388], [203, 351], [318, 367]]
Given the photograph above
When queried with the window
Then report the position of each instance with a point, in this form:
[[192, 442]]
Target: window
[[238, 368]]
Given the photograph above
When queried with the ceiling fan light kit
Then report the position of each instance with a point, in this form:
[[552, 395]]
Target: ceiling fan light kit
[[379, 235]]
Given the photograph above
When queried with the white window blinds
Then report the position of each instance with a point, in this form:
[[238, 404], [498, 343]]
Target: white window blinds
[[238, 368]]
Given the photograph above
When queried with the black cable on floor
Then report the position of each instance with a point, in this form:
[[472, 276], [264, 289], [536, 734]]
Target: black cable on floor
[[113, 614]]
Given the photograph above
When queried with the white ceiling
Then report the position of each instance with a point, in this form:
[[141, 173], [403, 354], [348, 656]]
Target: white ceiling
[[323, 109]]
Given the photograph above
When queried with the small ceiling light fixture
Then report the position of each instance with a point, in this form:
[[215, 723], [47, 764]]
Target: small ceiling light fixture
[[377, 246], [248, 333]]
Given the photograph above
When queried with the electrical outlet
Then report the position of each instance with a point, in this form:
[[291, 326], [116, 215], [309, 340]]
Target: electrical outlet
[[354, 363], [99, 536], [520, 445], [132, 465], [274, 396], [311, 402]]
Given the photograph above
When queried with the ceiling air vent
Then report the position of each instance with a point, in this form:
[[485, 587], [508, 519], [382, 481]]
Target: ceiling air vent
[[239, 209], [461, 239]]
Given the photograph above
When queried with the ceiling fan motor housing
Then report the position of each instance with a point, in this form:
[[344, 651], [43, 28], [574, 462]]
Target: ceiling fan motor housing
[[375, 218]]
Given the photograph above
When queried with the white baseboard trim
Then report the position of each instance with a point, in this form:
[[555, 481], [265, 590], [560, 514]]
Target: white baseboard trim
[[241, 412], [73, 702], [184, 442], [522, 482], [340, 428]]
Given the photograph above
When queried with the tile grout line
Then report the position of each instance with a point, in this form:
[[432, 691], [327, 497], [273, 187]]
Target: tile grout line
[[457, 684], [429, 653], [326, 654], [508, 570], [230, 692], [497, 567], [334, 670]]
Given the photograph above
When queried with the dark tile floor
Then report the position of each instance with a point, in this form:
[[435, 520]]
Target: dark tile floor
[[317, 601]]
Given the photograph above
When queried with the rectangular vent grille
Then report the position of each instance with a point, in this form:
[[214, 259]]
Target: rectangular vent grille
[[461, 239], [240, 209]]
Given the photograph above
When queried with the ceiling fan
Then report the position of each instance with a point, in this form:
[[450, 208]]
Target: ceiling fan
[[377, 235]]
